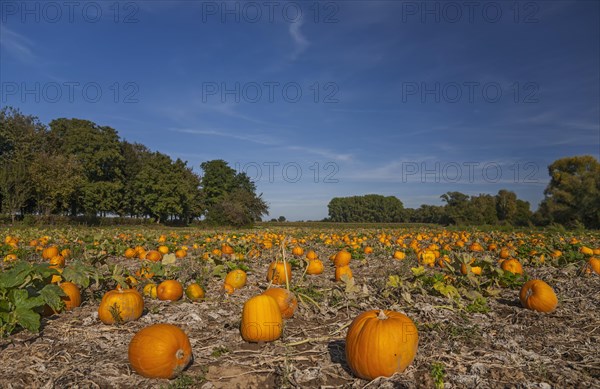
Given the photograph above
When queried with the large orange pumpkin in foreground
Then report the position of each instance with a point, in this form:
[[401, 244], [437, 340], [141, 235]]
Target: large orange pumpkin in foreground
[[160, 351], [261, 319], [285, 299], [120, 305], [538, 296], [380, 343]]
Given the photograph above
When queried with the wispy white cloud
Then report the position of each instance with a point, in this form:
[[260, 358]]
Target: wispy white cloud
[[300, 41], [17, 45], [326, 153], [254, 138]]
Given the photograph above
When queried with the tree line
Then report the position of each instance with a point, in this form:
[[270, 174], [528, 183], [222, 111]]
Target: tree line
[[571, 198], [76, 167]]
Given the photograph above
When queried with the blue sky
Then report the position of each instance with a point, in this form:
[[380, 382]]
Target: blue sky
[[321, 99]]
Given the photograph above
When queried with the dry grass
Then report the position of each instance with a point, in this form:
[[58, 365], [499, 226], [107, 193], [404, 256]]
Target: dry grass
[[507, 347]]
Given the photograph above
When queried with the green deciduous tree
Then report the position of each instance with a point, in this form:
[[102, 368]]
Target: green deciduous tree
[[573, 193], [229, 197], [98, 151], [20, 142], [368, 208], [506, 205]]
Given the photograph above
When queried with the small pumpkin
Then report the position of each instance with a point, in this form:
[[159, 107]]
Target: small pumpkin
[[380, 343], [57, 261], [163, 249], [73, 295], [311, 255], [538, 296], [297, 251], [169, 290], [342, 258], [512, 266], [315, 267], [399, 255], [278, 271], [228, 288], [160, 351], [236, 278], [153, 255], [194, 292], [50, 252], [593, 265], [261, 319], [285, 299], [368, 250], [130, 253], [120, 305], [341, 271], [475, 246], [586, 250], [226, 249], [150, 290]]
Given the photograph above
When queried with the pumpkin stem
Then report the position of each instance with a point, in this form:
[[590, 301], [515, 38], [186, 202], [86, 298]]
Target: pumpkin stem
[[179, 354], [382, 315]]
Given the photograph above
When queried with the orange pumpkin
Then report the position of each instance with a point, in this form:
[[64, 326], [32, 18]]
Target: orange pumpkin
[[399, 255], [475, 247], [160, 351], [150, 290], [130, 253], [120, 305], [194, 292], [278, 272], [341, 271], [380, 343], [311, 255], [50, 252], [73, 295], [236, 278], [538, 296], [57, 261], [342, 258], [261, 319], [512, 265], [586, 250], [593, 265], [153, 255], [226, 249], [285, 299], [297, 251], [315, 267], [228, 288], [169, 290]]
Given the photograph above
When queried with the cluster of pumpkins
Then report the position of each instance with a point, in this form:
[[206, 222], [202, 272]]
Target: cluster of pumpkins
[[163, 350]]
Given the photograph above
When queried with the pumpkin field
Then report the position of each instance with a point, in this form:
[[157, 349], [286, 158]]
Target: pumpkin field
[[323, 306]]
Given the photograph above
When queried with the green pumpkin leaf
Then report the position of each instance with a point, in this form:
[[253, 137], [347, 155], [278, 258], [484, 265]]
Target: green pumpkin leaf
[[28, 319], [417, 271]]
